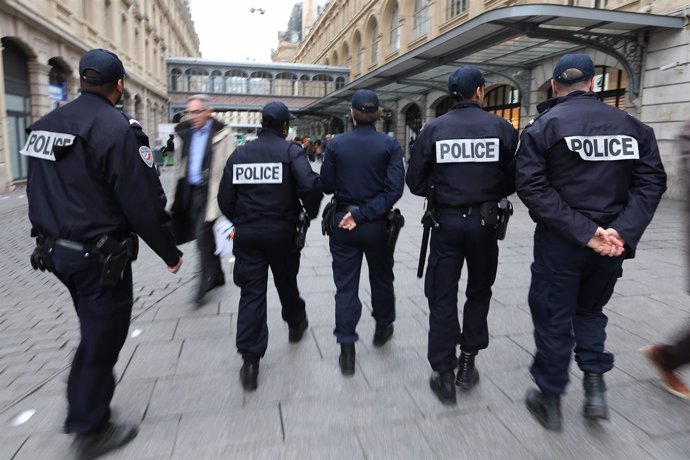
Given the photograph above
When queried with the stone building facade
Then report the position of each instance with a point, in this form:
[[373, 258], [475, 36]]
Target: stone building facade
[[370, 35], [42, 41]]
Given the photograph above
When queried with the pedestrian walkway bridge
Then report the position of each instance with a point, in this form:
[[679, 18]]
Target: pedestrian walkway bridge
[[248, 86]]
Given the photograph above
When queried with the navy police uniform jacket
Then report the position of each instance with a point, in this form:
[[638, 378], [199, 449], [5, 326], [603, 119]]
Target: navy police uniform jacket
[[265, 179], [91, 173], [364, 168], [583, 164], [468, 154]]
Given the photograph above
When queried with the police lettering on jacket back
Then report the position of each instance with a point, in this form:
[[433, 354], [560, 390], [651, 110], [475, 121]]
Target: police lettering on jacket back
[[467, 150], [257, 173], [604, 148]]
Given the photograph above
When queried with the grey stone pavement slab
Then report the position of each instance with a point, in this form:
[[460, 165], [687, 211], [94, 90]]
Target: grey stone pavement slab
[[178, 371]]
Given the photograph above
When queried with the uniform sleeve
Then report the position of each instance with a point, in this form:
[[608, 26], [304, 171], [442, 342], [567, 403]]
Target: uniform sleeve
[[140, 195], [508, 160], [421, 162], [309, 187], [393, 187], [328, 168], [646, 187], [545, 204], [227, 193]]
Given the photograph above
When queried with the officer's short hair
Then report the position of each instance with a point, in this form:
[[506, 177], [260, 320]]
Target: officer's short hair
[[366, 118], [204, 98], [101, 88]]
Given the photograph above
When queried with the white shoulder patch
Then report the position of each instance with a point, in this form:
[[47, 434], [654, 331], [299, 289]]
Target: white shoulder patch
[[40, 144], [134, 122], [146, 155], [604, 148]]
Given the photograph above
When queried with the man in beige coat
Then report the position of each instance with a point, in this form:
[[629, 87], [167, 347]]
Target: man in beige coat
[[202, 149]]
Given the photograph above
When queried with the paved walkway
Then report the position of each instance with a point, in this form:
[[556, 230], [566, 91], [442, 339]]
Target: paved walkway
[[178, 371]]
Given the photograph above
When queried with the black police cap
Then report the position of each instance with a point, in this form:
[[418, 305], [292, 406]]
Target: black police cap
[[573, 68], [365, 100], [105, 63], [277, 111], [465, 80]]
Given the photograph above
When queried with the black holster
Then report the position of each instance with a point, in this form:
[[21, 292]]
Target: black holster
[[496, 215], [394, 222], [327, 218], [302, 227], [114, 256]]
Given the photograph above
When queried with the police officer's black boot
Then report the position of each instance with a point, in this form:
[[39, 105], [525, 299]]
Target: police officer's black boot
[[594, 406], [382, 334], [347, 358], [468, 376], [249, 375], [546, 408], [442, 386], [110, 437], [296, 332]]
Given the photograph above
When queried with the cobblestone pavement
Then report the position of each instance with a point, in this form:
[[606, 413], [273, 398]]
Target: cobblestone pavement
[[178, 371]]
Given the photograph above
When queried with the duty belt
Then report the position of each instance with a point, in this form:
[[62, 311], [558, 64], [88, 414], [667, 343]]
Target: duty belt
[[465, 210]]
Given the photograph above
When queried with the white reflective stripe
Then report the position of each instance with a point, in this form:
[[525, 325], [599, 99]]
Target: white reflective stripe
[[134, 122], [257, 173], [467, 150], [40, 144], [604, 148]]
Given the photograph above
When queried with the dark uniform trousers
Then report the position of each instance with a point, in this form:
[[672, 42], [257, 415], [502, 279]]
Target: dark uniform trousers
[[104, 314], [347, 248], [211, 268], [258, 246], [570, 286], [457, 239]]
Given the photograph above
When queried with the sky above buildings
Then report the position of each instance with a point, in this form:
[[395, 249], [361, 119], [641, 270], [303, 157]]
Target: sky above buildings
[[229, 31]]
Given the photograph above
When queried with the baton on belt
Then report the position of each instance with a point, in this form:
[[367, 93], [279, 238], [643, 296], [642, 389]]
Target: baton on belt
[[428, 221]]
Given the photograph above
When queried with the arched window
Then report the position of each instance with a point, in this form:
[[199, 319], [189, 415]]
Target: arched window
[[413, 124], [420, 25], [456, 7], [345, 55], [610, 85], [394, 34], [57, 82], [304, 86], [359, 50], [260, 82], [285, 84], [444, 106], [175, 80], [321, 85], [217, 83], [17, 103], [504, 101], [339, 82], [373, 42], [235, 82]]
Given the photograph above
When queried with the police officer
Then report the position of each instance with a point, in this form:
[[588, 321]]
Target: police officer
[[364, 170], [91, 184], [467, 154], [265, 186], [591, 177]]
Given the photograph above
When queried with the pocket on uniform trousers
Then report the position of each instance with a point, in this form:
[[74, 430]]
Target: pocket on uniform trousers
[[430, 276]]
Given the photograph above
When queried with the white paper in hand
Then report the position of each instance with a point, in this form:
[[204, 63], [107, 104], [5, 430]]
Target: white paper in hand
[[223, 231]]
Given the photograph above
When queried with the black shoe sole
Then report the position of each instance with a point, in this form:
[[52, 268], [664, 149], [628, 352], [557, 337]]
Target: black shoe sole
[[538, 416], [445, 400], [466, 386], [346, 371], [296, 334], [596, 412]]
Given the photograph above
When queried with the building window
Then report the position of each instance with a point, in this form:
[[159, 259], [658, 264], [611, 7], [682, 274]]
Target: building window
[[610, 85], [374, 43], [504, 101], [359, 57], [444, 106], [456, 7], [421, 18], [394, 35]]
